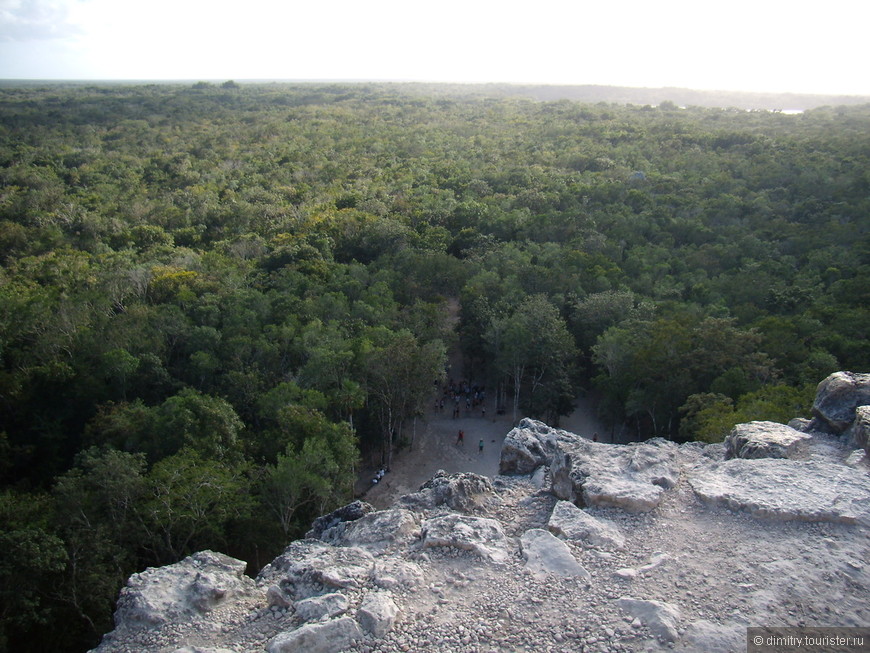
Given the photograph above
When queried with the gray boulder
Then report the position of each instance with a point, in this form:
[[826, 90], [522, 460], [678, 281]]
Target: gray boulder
[[661, 618], [348, 513], [801, 424], [318, 607], [391, 573], [326, 637], [527, 447], [379, 531], [308, 565], [377, 614], [573, 523], [275, 596], [183, 590], [464, 492], [480, 535], [858, 433], [633, 477], [804, 490], [545, 554], [764, 440], [838, 396]]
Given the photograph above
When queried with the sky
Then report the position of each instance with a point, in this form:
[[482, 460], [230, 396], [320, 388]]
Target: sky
[[758, 45]]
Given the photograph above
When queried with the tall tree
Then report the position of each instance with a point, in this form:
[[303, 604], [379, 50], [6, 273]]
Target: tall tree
[[533, 349], [191, 502], [401, 374]]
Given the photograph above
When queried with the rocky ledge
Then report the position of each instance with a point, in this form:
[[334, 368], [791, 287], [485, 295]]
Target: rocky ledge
[[576, 546]]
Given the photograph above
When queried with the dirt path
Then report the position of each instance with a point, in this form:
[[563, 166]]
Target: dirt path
[[434, 447]]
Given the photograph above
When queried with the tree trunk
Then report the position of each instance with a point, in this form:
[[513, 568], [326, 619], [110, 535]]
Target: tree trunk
[[390, 430], [518, 380]]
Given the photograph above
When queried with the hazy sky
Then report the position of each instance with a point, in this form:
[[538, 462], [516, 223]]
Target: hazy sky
[[758, 45]]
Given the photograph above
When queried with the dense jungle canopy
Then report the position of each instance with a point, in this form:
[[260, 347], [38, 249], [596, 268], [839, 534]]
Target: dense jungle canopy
[[215, 298]]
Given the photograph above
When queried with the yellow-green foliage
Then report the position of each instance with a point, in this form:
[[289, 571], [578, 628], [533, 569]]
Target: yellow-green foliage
[[715, 415]]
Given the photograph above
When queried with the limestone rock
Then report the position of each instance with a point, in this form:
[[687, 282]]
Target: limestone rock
[[306, 565], [764, 440], [390, 573], [275, 596], [621, 492], [858, 434], [838, 396], [326, 637], [858, 458], [801, 424], [348, 513], [483, 536], [661, 618], [464, 492], [526, 447], [318, 607], [633, 477], [816, 490], [379, 531], [546, 554], [378, 613], [573, 523], [181, 591]]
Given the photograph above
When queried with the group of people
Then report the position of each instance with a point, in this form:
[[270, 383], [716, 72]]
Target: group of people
[[472, 395]]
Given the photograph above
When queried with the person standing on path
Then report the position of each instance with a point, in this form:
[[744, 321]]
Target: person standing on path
[[460, 439], [480, 446]]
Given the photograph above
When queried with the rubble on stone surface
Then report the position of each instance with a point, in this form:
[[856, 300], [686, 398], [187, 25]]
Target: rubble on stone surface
[[462, 492], [482, 536], [585, 547], [196, 585]]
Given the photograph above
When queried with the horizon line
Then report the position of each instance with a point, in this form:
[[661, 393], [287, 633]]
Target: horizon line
[[341, 80]]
